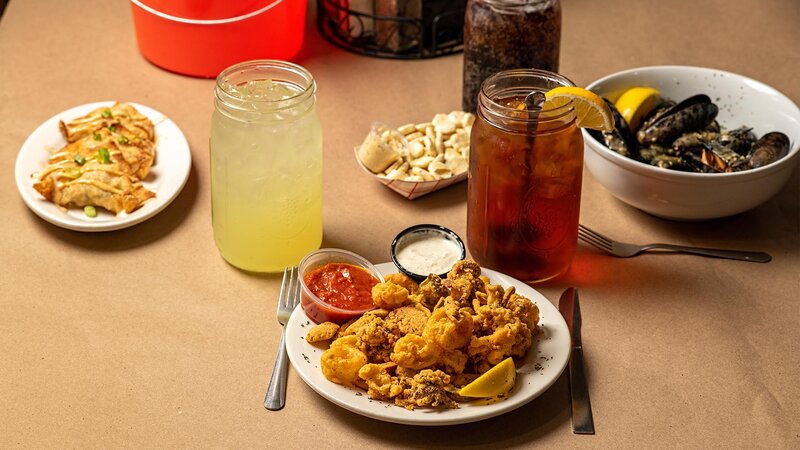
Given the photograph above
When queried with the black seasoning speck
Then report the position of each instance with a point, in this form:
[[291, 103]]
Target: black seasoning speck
[[306, 358]]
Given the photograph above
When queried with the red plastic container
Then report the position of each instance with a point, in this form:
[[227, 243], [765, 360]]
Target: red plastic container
[[202, 37]]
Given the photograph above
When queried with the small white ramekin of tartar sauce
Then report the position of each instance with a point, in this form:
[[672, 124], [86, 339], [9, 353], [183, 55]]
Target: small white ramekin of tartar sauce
[[426, 249]]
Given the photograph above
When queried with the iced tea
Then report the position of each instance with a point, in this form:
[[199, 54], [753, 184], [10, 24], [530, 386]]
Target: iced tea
[[525, 179]]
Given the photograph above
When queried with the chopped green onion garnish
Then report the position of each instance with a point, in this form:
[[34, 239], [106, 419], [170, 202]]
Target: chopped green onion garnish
[[106, 113], [122, 140], [80, 160], [112, 128], [97, 137], [90, 211], [71, 172], [103, 156]]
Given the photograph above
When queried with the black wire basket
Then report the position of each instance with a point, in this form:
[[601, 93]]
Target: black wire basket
[[401, 29]]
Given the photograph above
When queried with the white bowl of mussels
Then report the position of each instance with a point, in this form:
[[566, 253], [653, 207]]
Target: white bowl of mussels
[[703, 144]]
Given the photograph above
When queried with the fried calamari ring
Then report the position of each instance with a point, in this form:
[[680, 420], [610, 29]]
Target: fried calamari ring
[[412, 351], [341, 363]]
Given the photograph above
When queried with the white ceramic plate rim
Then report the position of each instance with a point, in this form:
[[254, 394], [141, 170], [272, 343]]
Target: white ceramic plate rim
[[641, 167], [167, 176], [544, 363]]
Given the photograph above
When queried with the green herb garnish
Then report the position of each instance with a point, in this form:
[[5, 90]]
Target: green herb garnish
[[106, 113], [80, 160], [104, 156], [112, 128], [122, 140], [90, 211], [97, 136]]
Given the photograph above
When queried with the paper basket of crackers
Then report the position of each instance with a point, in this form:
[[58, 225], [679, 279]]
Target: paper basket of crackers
[[417, 159]]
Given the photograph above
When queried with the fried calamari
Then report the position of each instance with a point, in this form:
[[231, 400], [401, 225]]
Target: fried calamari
[[427, 341]]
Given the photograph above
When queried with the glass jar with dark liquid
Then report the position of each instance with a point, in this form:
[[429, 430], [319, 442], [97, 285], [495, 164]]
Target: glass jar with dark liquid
[[508, 34], [525, 175]]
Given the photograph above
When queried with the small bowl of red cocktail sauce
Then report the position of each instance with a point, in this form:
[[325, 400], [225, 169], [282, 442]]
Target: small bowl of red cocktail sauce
[[336, 285]]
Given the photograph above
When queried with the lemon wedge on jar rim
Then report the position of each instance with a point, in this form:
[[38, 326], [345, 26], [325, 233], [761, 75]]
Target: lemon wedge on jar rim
[[497, 381], [591, 110], [635, 103]]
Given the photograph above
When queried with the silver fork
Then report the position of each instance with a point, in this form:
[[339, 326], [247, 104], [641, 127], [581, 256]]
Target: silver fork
[[288, 300], [624, 250]]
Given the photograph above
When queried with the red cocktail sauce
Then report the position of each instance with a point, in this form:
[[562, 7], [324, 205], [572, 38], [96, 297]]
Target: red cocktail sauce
[[344, 291]]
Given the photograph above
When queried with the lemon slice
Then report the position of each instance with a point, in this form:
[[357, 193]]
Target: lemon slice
[[635, 103], [590, 109], [497, 381]]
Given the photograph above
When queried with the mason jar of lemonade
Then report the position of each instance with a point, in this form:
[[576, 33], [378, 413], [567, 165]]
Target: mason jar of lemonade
[[266, 165]]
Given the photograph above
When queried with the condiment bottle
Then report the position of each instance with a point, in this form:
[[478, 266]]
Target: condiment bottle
[[508, 34], [266, 165], [525, 175]]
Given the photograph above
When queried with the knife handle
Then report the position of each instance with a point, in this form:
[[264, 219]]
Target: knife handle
[[582, 421]]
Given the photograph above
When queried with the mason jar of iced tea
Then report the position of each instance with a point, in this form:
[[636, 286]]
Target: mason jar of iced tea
[[525, 174]]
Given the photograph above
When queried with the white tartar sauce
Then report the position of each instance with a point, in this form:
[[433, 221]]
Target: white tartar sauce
[[428, 252]]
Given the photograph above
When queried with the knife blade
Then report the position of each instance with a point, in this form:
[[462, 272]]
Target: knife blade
[[582, 421]]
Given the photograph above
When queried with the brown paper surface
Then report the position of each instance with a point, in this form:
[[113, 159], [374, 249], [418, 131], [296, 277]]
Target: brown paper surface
[[680, 351]]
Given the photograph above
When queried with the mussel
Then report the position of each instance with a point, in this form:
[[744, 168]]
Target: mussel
[[770, 148], [693, 114], [686, 136], [740, 140], [722, 158], [620, 140]]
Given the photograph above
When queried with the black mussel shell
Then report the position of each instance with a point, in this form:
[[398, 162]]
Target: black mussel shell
[[694, 113], [770, 148], [620, 140]]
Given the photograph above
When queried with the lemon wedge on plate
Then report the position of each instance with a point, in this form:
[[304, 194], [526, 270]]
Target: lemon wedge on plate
[[635, 103], [497, 381], [590, 109]]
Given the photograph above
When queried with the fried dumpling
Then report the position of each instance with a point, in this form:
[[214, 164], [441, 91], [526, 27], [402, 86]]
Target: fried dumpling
[[94, 183], [119, 114], [134, 155]]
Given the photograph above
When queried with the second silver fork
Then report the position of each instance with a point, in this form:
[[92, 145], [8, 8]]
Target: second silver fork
[[625, 250], [287, 301]]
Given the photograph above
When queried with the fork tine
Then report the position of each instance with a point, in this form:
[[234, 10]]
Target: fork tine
[[602, 245], [296, 297], [594, 234], [287, 301], [282, 295], [590, 240]]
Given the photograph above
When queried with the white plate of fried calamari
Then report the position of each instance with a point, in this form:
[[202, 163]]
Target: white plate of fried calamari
[[103, 166], [403, 381]]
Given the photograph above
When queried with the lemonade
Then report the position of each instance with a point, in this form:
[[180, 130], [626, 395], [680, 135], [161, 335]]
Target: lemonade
[[266, 166]]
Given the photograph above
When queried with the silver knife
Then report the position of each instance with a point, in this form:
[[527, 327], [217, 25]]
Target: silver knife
[[582, 422]]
